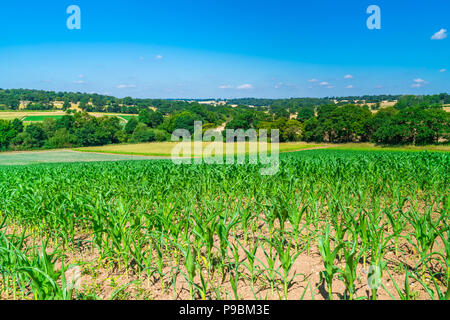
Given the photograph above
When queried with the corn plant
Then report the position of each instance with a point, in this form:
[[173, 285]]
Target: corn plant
[[329, 254], [348, 273]]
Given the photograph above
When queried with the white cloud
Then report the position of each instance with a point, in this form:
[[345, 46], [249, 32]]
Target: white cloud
[[79, 82], [313, 80], [324, 83], [125, 86], [331, 87], [440, 35], [443, 70], [225, 86], [378, 86], [81, 76], [245, 87], [350, 87], [159, 57], [349, 76], [285, 85], [418, 83]]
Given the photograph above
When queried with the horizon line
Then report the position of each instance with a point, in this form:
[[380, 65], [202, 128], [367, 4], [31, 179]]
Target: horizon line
[[229, 98]]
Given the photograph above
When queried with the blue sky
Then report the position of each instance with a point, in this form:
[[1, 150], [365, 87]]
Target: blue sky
[[226, 48]]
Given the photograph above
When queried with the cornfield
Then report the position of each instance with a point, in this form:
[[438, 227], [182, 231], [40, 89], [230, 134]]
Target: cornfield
[[329, 225]]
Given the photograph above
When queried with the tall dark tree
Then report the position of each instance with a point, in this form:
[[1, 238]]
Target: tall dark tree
[[131, 125]]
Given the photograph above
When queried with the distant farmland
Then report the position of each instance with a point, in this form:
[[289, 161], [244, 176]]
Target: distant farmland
[[60, 156], [128, 117], [40, 116], [165, 148]]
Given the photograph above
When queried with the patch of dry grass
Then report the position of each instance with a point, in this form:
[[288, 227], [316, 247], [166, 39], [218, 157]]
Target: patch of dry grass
[[165, 148]]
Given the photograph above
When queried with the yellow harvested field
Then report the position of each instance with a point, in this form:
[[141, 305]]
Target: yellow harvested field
[[11, 115], [102, 114], [388, 103], [165, 148]]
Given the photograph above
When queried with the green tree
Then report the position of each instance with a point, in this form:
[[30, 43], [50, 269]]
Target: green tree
[[131, 125], [7, 133], [61, 139], [313, 131], [304, 114], [156, 118], [66, 105], [144, 117], [414, 125], [17, 125], [66, 122], [185, 120], [143, 134], [292, 131], [381, 118], [36, 134], [49, 127], [161, 135]]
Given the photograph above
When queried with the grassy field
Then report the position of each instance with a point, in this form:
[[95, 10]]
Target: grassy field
[[120, 115], [162, 150], [128, 117], [60, 156], [373, 147], [11, 115], [156, 230], [165, 148], [39, 116]]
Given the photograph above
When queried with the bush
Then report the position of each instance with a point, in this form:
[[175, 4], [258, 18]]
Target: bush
[[8, 131], [61, 139], [23, 141], [161, 135], [143, 134], [131, 125]]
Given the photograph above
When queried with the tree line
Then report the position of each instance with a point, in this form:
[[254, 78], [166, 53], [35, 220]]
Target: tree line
[[351, 123], [413, 120], [92, 102], [81, 129], [10, 99]]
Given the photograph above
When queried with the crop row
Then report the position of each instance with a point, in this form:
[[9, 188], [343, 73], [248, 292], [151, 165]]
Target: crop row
[[376, 225]]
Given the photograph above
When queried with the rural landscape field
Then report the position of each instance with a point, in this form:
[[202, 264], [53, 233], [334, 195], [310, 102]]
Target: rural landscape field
[[221, 159]]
